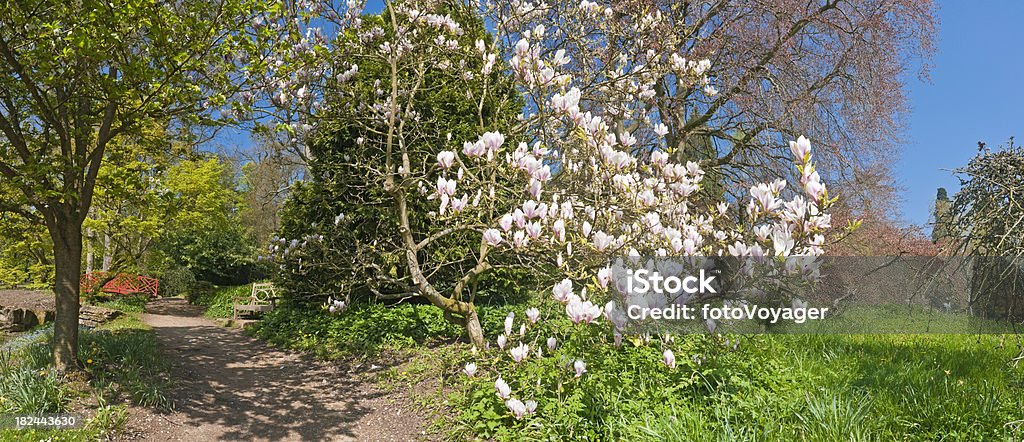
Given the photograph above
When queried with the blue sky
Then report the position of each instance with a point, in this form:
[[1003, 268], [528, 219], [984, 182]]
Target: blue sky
[[975, 94]]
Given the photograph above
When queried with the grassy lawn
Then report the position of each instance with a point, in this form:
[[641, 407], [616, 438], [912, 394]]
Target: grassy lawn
[[778, 387], [854, 387], [121, 364]]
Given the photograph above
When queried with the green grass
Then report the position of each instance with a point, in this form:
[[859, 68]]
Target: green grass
[[121, 364], [769, 387], [852, 387]]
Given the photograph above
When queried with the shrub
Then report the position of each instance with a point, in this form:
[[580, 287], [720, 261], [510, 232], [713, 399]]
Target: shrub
[[178, 281]]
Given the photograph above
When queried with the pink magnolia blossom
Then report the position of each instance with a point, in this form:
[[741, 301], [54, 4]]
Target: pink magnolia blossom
[[506, 222], [582, 311], [519, 218], [579, 367], [519, 239], [445, 187], [814, 189], [492, 141], [458, 204], [533, 230], [520, 352], [517, 407], [669, 358], [502, 389], [801, 149], [509, 321], [492, 237], [445, 159], [473, 150], [562, 290], [533, 314], [602, 241], [558, 228], [604, 276]]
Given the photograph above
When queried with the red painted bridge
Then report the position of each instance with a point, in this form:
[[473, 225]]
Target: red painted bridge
[[121, 283]]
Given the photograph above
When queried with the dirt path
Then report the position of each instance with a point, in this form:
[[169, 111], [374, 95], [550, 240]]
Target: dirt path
[[229, 386]]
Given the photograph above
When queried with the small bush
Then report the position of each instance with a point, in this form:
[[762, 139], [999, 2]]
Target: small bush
[[178, 281]]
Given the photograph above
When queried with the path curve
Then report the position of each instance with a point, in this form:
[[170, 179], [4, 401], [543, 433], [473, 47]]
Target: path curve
[[229, 386]]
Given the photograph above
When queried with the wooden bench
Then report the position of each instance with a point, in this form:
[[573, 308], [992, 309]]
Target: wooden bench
[[262, 299]]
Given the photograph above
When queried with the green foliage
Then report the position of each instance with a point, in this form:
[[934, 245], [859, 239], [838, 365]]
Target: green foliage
[[24, 260], [31, 391], [364, 252], [204, 233], [177, 281], [124, 303], [364, 329]]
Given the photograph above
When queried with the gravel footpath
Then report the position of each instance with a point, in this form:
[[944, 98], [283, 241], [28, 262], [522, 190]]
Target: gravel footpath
[[229, 386]]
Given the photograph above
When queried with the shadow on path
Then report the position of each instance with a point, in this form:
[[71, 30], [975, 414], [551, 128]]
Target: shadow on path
[[229, 386]]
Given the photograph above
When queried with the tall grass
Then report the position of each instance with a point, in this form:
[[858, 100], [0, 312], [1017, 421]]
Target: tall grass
[[855, 388]]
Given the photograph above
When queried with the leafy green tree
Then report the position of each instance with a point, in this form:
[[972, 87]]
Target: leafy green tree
[[130, 207], [204, 232], [77, 75], [347, 230], [25, 260]]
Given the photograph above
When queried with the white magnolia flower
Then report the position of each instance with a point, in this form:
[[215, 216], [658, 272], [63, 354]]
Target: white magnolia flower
[[502, 389], [579, 367], [445, 159], [520, 352]]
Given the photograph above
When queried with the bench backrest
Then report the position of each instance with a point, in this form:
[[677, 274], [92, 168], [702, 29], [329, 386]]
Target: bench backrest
[[263, 293]]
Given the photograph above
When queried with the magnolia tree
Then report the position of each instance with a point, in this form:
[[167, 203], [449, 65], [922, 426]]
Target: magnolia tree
[[586, 174]]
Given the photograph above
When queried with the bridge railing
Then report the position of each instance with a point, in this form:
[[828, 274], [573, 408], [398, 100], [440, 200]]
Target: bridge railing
[[121, 283]]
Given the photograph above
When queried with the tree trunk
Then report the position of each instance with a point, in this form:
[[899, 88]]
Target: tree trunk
[[108, 255], [88, 254], [475, 331], [66, 233]]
